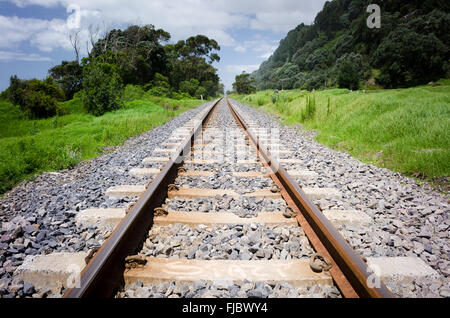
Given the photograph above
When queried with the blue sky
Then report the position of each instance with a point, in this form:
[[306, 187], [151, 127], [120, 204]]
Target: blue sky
[[34, 34]]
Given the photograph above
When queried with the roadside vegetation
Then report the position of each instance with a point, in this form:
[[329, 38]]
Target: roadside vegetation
[[130, 82], [31, 146], [405, 130]]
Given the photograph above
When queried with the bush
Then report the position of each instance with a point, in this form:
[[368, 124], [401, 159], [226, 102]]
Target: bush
[[179, 96], [274, 99], [315, 80], [37, 99], [201, 91], [102, 88], [39, 105], [190, 86], [159, 91], [210, 87], [160, 81]]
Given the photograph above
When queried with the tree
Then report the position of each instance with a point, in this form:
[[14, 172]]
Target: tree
[[69, 77], [74, 38], [407, 58], [244, 84], [348, 75], [136, 51], [192, 59], [102, 88], [350, 69], [190, 86]]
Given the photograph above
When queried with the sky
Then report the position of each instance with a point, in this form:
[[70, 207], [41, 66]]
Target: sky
[[34, 34]]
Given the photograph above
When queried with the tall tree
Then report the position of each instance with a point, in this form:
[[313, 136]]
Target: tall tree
[[137, 52], [69, 77], [244, 84], [192, 59]]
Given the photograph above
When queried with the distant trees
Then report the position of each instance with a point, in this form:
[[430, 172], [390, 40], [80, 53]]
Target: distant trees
[[244, 84], [123, 58], [137, 52], [415, 53], [412, 46]]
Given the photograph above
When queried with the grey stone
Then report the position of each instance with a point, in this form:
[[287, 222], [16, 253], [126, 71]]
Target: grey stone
[[245, 256], [254, 293]]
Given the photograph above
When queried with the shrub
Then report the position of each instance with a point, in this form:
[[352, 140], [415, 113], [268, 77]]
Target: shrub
[[201, 91], [210, 87], [190, 86], [102, 88], [39, 105], [161, 81], [37, 99], [159, 91], [274, 99], [328, 106], [132, 92], [180, 96]]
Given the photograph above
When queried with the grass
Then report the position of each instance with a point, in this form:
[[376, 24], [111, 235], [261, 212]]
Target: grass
[[29, 147], [405, 130]]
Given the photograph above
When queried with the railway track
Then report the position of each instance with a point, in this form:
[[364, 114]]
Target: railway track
[[222, 209]]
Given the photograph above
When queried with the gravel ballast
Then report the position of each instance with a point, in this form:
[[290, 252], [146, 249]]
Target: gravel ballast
[[38, 216], [409, 219]]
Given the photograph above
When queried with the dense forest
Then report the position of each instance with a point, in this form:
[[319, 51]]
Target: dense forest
[[130, 59], [411, 47]]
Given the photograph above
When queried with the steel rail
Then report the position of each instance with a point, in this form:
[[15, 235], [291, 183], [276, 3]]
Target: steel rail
[[103, 274], [353, 274]]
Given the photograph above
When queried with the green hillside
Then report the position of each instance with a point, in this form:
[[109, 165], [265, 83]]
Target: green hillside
[[411, 47]]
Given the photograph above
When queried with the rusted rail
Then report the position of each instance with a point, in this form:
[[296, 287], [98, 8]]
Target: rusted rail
[[349, 272], [103, 274]]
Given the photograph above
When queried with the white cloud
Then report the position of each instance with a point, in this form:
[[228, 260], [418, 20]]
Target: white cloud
[[44, 34], [19, 56], [261, 45], [240, 48], [238, 69], [182, 18]]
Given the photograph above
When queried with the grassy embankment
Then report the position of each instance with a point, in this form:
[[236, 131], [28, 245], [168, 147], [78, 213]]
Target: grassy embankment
[[405, 130], [28, 147]]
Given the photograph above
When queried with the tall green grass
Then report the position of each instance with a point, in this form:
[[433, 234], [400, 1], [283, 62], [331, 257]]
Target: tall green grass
[[28, 147], [405, 130]]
